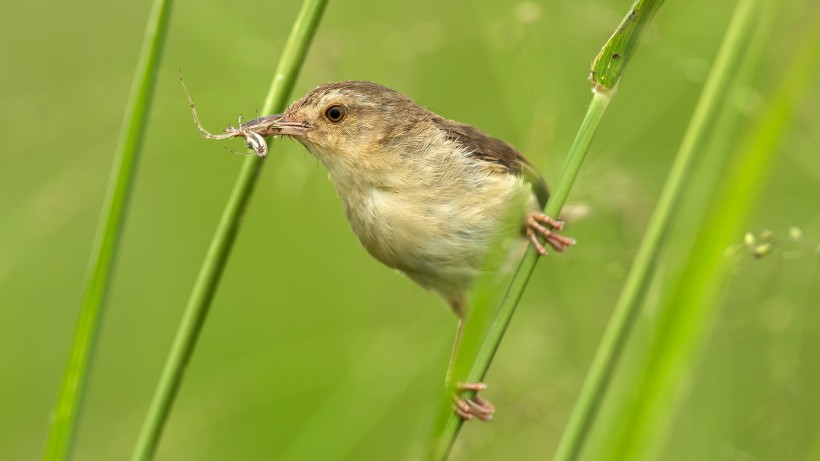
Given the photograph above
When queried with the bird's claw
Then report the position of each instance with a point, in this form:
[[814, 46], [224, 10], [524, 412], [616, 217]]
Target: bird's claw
[[475, 406], [543, 225]]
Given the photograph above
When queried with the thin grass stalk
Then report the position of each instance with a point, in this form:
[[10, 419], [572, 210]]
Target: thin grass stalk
[[450, 424], [196, 311], [690, 306], [106, 241], [607, 70], [620, 325]]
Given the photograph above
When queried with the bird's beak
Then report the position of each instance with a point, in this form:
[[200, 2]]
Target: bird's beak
[[276, 125]]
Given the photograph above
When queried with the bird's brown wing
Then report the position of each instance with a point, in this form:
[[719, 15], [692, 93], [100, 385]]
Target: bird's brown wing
[[489, 149]]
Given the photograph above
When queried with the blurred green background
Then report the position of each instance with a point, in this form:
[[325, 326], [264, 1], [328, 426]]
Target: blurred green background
[[312, 349]]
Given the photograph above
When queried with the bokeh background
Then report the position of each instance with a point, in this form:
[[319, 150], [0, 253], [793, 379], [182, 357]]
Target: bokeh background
[[313, 350]]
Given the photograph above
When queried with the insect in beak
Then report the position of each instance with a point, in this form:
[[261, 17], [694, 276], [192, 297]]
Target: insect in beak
[[255, 142], [254, 131]]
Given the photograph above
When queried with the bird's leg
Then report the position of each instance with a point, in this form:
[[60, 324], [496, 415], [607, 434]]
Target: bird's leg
[[540, 224], [474, 406]]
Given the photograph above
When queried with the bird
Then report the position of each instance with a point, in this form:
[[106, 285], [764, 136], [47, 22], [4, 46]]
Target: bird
[[425, 195]]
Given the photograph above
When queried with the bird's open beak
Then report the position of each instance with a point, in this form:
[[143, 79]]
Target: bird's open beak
[[276, 125]]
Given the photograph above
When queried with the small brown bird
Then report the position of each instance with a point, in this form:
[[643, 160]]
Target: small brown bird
[[425, 195]]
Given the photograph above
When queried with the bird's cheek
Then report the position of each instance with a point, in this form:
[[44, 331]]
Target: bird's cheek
[[311, 140]]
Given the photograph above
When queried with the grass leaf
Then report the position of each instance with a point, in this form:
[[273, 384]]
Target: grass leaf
[[106, 241], [691, 303], [620, 325]]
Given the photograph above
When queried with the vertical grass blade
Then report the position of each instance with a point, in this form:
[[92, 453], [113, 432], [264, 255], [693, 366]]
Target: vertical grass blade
[[476, 353], [690, 306], [618, 329], [210, 273], [103, 255]]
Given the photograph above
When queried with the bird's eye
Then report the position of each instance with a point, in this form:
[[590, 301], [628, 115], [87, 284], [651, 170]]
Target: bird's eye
[[335, 113]]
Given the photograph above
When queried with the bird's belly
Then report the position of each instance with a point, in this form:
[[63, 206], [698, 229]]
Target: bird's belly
[[440, 241]]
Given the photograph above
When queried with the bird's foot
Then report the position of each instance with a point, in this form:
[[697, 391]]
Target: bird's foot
[[474, 406], [543, 225]]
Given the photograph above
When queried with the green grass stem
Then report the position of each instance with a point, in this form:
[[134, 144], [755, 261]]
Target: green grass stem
[[106, 241], [620, 325], [478, 349], [484, 346], [210, 273], [689, 307]]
